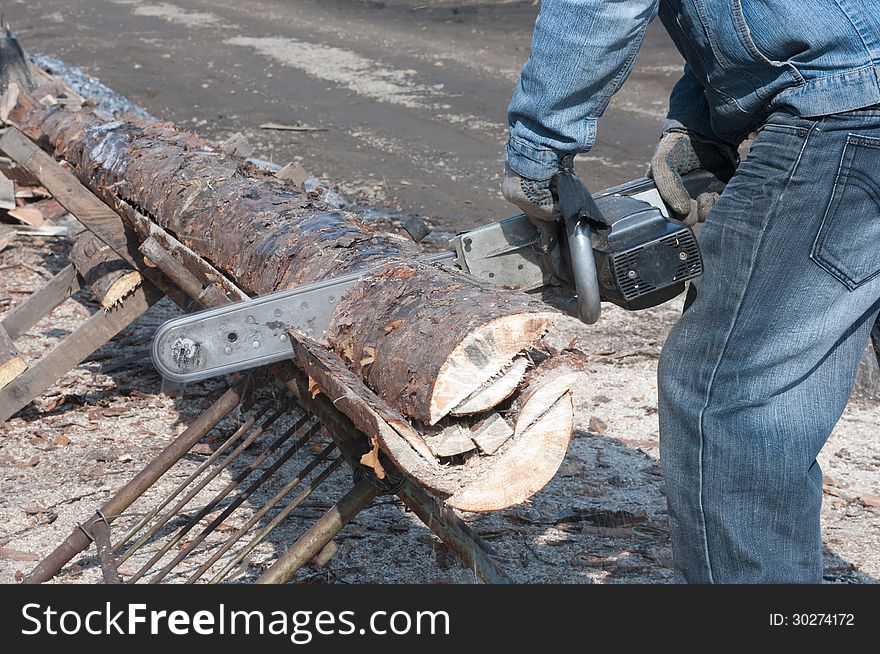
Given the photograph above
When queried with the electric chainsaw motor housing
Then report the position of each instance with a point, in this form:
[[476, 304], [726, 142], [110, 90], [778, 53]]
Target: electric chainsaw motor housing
[[642, 259]]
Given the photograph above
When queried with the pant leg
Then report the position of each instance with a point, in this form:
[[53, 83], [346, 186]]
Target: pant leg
[[758, 370]]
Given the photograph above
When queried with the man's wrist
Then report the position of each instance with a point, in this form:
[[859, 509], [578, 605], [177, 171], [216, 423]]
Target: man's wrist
[[535, 162]]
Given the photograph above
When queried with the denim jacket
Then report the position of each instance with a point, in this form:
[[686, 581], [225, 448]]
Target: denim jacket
[[745, 59]]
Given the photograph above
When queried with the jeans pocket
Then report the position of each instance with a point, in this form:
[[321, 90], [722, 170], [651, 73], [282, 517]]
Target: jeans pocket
[[847, 243]]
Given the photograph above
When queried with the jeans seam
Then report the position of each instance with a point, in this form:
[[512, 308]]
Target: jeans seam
[[726, 343]]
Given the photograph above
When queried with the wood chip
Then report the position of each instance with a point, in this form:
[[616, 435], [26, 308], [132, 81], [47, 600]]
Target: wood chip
[[492, 434], [597, 425], [28, 216], [872, 501], [295, 172], [237, 145], [7, 236], [7, 193], [371, 459]]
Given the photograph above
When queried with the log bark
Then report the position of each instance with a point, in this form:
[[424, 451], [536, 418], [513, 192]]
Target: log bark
[[433, 345], [108, 276], [267, 235]]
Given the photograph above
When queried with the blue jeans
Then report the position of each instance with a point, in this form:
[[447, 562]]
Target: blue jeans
[[759, 368]]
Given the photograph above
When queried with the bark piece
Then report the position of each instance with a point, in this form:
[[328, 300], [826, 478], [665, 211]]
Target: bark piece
[[106, 274]]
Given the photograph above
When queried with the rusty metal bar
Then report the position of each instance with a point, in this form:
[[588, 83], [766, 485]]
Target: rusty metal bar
[[78, 541], [234, 483], [320, 533], [238, 501], [101, 534], [204, 482], [277, 520], [245, 426], [454, 532], [198, 471]]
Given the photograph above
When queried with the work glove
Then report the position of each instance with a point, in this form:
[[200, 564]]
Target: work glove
[[532, 196], [679, 153]]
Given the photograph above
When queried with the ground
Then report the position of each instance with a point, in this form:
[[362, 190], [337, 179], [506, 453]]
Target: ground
[[408, 104]]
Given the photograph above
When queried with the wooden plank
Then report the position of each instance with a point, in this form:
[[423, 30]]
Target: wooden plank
[[41, 303], [105, 223], [91, 335], [92, 212]]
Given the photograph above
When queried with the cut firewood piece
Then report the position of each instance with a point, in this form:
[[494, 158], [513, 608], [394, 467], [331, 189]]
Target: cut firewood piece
[[107, 275], [11, 364], [492, 434], [542, 399], [451, 441], [523, 468], [494, 391]]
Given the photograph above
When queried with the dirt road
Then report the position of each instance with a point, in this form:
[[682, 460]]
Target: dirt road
[[412, 95], [408, 102]]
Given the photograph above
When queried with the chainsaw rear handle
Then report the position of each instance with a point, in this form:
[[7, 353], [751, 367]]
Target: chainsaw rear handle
[[582, 217]]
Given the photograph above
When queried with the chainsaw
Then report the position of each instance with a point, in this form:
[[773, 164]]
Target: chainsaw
[[616, 246]]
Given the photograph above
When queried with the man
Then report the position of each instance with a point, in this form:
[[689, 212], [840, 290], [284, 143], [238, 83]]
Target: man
[[758, 370]]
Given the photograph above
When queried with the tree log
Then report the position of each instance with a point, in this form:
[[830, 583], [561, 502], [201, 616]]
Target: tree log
[[108, 276], [428, 340]]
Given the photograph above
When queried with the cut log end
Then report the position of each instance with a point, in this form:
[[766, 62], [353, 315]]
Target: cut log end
[[121, 289], [485, 353], [495, 391], [523, 468]]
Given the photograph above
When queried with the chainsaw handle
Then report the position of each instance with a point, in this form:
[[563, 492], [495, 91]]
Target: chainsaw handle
[[580, 213]]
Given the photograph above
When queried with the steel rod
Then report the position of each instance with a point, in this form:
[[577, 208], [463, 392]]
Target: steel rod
[[268, 506], [247, 424], [101, 534], [277, 520], [163, 520], [78, 541], [320, 533], [234, 483], [238, 501]]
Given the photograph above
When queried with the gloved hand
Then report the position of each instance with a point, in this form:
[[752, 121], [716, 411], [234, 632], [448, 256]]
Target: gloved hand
[[680, 152], [533, 197]]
